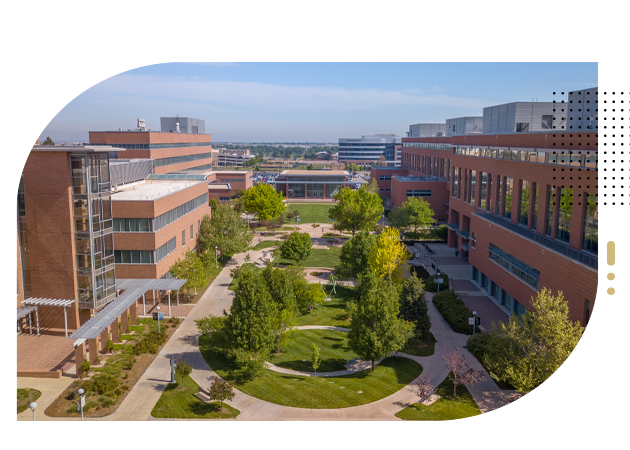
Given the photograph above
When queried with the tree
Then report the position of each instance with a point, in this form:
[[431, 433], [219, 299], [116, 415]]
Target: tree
[[382, 161], [280, 288], [215, 327], [356, 210], [263, 200], [183, 369], [387, 255], [253, 322], [372, 186], [354, 255], [213, 204], [398, 218], [191, 269], [413, 306], [297, 247], [307, 295], [376, 330], [420, 212], [315, 359], [48, 141], [352, 167], [225, 230], [221, 390], [531, 348], [460, 374], [424, 389]]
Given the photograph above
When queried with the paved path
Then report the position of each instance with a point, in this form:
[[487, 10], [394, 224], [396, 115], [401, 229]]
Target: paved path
[[184, 344]]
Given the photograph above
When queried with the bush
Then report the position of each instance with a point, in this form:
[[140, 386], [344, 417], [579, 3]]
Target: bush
[[103, 384], [478, 344], [128, 365], [110, 346], [431, 286], [150, 342], [454, 311], [85, 366], [106, 402]]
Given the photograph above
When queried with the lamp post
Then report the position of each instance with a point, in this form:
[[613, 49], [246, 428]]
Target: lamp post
[[216, 261], [81, 392], [474, 321], [438, 278], [158, 317], [33, 405]]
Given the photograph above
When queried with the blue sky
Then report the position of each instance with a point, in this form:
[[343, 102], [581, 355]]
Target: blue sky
[[310, 102]]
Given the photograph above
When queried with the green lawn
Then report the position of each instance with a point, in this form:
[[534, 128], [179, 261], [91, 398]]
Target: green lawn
[[332, 312], [321, 393], [319, 258], [446, 408], [24, 398], [178, 401], [266, 244], [296, 354], [310, 212], [420, 347]]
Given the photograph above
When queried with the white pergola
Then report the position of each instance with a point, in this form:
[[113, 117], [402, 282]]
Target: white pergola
[[37, 302]]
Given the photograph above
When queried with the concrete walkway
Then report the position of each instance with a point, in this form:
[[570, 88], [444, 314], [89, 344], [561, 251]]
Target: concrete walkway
[[184, 345]]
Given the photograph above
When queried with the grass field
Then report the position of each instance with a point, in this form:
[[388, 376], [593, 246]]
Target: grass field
[[266, 244], [319, 258], [178, 401], [446, 408], [334, 353], [24, 398], [321, 393], [310, 212], [332, 312]]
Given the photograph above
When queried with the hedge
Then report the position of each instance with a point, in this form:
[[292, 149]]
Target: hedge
[[478, 344], [454, 311], [431, 286]]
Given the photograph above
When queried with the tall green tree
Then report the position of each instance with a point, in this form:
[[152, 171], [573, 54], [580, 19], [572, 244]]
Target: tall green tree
[[297, 247], [253, 320], [413, 306], [531, 348], [372, 186], [388, 255], [48, 141], [354, 255], [376, 330], [263, 200], [420, 212], [398, 218], [356, 210], [307, 295], [280, 287], [191, 269], [225, 230], [213, 204]]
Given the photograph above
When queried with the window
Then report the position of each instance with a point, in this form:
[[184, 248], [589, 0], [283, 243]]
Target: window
[[225, 199], [587, 311], [564, 214], [524, 272], [482, 190], [472, 182], [509, 190], [198, 225], [590, 224], [419, 193], [534, 206], [473, 240], [547, 122], [165, 250], [455, 182], [489, 184], [191, 232], [522, 127], [551, 201], [183, 238], [524, 203], [497, 206], [133, 256], [385, 177]]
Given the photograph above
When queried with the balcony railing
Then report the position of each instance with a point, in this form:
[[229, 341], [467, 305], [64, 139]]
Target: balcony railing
[[576, 255]]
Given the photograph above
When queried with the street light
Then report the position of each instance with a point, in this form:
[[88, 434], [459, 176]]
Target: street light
[[216, 250], [474, 321], [438, 278], [158, 315], [81, 392], [33, 405]]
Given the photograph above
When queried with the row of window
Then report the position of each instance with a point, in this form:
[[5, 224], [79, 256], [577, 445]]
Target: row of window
[[231, 180], [584, 159], [515, 266], [134, 225], [499, 294], [321, 179], [385, 177], [419, 193], [180, 159], [156, 146], [427, 145], [150, 256]]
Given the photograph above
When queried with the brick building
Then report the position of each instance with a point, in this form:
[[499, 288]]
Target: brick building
[[521, 207]]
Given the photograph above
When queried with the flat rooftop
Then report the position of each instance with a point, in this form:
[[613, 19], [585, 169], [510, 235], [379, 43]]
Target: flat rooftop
[[219, 187], [76, 148], [315, 173], [151, 190]]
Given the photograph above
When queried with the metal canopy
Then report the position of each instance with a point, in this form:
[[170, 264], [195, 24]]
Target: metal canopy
[[134, 289], [47, 302], [24, 311]]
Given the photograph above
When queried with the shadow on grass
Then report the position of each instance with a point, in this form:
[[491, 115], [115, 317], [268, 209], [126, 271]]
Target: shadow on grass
[[201, 409], [327, 365]]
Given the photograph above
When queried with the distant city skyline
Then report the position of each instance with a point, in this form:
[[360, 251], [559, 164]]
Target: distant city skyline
[[310, 102]]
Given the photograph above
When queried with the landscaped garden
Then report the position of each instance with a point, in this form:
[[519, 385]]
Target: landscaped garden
[[447, 407], [24, 398], [309, 212], [107, 385], [179, 401]]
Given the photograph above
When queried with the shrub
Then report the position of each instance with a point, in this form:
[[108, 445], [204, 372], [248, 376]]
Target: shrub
[[85, 366], [128, 365], [316, 274], [102, 384], [110, 346], [431, 286], [478, 344], [106, 402], [454, 311], [351, 307]]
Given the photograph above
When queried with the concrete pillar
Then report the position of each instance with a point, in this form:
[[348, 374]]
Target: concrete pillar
[[125, 322], [104, 340], [93, 349], [133, 312], [116, 331], [79, 357]]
